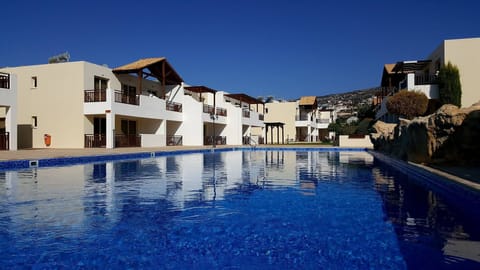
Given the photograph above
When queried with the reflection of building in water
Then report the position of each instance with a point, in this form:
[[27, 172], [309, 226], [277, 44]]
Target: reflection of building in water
[[357, 157], [45, 197], [417, 211]]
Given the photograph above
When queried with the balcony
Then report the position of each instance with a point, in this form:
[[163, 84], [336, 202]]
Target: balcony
[[173, 106], [127, 140], [208, 109], [426, 79], [96, 95], [323, 121], [174, 140], [95, 140], [221, 111], [219, 140], [4, 141], [4, 80], [302, 117], [426, 84], [123, 97]]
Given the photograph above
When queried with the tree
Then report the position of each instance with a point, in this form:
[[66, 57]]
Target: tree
[[450, 88], [407, 103], [366, 111]]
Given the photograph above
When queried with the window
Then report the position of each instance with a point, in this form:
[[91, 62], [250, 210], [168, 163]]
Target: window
[[129, 90], [34, 122], [129, 127], [100, 83], [34, 82]]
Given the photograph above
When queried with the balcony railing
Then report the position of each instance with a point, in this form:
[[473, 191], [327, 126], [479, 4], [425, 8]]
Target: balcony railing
[[4, 80], [208, 109], [219, 140], [95, 140], [174, 106], [302, 117], [246, 140], [4, 141], [246, 114], [425, 79], [221, 111], [122, 97], [174, 140], [323, 121], [127, 140], [96, 95]]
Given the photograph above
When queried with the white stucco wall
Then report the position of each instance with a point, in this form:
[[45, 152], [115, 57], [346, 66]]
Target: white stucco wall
[[355, 142], [56, 101]]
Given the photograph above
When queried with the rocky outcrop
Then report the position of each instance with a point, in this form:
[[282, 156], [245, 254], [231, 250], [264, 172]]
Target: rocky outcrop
[[450, 134]]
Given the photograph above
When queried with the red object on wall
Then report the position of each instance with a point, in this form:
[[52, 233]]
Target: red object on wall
[[48, 139]]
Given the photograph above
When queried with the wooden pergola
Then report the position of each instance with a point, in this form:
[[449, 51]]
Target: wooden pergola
[[244, 98], [200, 89], [158, 68], [271, 126]]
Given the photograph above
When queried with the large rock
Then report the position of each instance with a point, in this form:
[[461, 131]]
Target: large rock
[[450, 134]]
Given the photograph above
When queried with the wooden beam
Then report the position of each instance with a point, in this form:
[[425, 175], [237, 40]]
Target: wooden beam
[[139, 83], [163, 79]]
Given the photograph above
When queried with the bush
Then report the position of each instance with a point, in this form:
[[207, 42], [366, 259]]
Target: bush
[[408, 104], [450, 88]]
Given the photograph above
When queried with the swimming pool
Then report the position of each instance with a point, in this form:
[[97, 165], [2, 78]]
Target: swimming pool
[[264, 209]]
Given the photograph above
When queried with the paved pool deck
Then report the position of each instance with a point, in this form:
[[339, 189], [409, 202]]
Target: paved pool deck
[[469, 176], [31, 154]]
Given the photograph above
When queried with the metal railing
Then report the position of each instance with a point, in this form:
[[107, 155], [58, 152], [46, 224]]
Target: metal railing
[[221, 111], [95, 140], [122, 97], [246, 114], [323, 121], [4, 80], [219, 140], [302, 117], [4, 141], [174, 140], [127, 140], [174, 106], [246, 140], [425, 79], [208, 109], [96, 95]]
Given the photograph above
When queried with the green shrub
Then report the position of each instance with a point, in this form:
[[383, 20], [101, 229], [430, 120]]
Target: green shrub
[[450, 88], [407, 104]]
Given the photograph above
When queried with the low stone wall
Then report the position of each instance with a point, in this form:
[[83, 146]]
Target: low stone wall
[[355, 141]]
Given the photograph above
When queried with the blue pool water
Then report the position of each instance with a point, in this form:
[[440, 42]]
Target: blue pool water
[[235, 210]]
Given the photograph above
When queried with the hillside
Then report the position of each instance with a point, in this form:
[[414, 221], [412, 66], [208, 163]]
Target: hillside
[[352, 99]]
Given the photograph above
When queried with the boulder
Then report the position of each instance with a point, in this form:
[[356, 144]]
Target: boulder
[[449, 134]]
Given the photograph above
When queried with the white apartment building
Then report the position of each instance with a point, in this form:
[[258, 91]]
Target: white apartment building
[[420, 75], [8, 111], [141, 104]]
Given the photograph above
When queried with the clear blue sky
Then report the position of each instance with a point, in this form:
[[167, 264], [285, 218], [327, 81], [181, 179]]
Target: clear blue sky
[[282, 48]]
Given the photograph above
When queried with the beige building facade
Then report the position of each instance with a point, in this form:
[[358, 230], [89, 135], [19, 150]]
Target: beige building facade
[[296, 121], [465, 54]]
